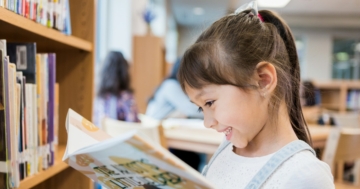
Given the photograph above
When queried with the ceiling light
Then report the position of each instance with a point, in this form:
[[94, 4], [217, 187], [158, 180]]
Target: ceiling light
[[198, 11], [273, 3]]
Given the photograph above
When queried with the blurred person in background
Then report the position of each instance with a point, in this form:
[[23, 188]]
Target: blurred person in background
[[169, 100], [115, 98]]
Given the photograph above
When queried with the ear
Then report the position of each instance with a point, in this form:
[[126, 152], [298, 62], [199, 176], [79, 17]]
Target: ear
[[266, 77]]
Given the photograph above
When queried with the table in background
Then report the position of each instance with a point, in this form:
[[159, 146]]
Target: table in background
[[207, 140]]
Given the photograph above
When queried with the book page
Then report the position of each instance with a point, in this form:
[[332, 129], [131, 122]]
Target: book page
[[81, 133], [128, 161], [131, 164]]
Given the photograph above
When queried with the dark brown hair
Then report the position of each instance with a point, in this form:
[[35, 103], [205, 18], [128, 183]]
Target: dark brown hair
[[227, 54], [115, 76]]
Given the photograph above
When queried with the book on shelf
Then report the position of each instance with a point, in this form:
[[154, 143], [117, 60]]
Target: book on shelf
[[28, 108], [4, 148], [51, 13], [125, 161], [24, 56]]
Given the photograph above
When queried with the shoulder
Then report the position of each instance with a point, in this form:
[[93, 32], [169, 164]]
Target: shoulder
[[170, 83], [305, 170]]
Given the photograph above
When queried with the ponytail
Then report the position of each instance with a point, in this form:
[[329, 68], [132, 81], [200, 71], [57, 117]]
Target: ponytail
[[297, 120]]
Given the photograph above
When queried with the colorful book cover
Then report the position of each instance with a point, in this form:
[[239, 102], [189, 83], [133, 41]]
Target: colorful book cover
[[51, 103], [24, 56], [126, 161]]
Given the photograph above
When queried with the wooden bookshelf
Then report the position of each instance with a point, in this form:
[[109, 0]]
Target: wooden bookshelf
[[19, 28], [74, 73], [43, 175], [334, 93]]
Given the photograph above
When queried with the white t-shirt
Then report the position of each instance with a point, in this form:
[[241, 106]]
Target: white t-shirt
[[301, 171]]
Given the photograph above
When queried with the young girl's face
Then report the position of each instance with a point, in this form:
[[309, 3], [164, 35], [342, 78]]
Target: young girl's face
[[228, 109]]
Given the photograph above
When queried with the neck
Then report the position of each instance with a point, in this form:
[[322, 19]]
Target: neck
[[271, 138]]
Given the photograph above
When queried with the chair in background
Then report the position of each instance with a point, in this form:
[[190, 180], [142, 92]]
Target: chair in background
[[343, 146], [152, 131], [351, 119]]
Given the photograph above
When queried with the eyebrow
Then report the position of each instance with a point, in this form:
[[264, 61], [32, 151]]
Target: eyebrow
[[200, 94]]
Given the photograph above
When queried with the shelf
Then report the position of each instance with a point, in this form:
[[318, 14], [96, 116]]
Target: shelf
[[58, 166], [337, 84], [332, 106], [15, 28]]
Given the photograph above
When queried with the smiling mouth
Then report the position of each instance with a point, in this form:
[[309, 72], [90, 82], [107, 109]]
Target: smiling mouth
[[227, 131]]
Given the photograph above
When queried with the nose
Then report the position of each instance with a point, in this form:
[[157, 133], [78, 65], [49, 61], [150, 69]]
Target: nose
[[209, 119]]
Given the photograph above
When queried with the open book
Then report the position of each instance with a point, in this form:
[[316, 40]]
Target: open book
[[125, 161]]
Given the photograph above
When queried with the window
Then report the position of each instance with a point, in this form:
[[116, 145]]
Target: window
[[346, 59]]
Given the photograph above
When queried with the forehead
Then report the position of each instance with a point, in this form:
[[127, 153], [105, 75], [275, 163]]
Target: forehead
[[195, 93]]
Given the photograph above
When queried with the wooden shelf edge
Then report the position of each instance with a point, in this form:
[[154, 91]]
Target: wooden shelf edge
[[36, 28], [38, 178]]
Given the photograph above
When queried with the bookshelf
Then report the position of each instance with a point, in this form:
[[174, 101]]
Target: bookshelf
[[74, 73], [334, 93]]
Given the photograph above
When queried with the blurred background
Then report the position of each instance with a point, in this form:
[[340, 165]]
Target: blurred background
[[327, 34]]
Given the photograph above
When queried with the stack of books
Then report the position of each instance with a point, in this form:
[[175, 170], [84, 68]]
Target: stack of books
[[28, 111], [51, 13]]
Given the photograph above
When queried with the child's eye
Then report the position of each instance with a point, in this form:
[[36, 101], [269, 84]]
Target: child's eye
[[209, 103]]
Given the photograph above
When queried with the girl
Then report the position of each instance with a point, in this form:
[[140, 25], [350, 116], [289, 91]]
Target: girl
[[243, 73]]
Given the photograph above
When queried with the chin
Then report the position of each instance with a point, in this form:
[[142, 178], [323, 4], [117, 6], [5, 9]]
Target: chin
[[240, 144]]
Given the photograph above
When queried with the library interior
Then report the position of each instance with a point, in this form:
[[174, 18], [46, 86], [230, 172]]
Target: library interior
[[141, 94]]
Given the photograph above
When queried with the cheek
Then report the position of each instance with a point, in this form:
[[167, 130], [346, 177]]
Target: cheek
[[242, 114], [233, 116]]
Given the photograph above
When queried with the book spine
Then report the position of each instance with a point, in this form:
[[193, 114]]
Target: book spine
[[44, 102], [51, 105], [27, 9], [35, 128], [39, 11], [34, 7], [18, 6], [4, 169], [67, 30], [56, 115], [23, 7], [15, 181], [7, 119], [39, 110]]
